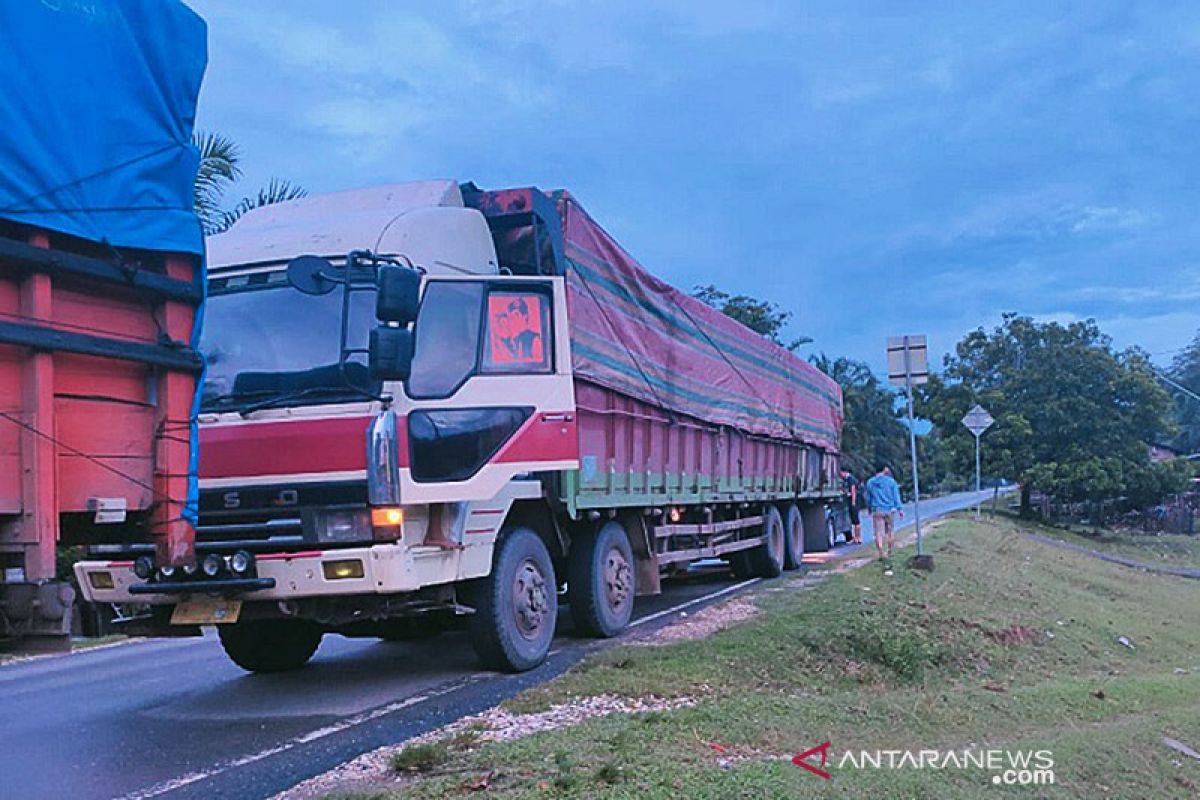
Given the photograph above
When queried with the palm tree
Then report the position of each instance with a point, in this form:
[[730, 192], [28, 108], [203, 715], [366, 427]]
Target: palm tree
[[277, 191], [218, 170]]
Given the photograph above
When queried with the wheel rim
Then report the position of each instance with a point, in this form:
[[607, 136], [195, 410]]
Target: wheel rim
[[530, 603], [617, 579]]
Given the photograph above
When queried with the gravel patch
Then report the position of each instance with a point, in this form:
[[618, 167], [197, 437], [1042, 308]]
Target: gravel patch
[[703, 623], [372, 771]]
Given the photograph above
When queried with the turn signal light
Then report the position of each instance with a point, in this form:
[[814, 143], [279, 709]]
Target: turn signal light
[[339, 570], [387, 523], [387, 517]]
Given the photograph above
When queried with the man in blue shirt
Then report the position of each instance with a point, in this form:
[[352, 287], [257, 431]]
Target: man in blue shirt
[[883, 501]]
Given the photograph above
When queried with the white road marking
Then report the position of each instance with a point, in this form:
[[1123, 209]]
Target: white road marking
[[367, 716], [311, 736]]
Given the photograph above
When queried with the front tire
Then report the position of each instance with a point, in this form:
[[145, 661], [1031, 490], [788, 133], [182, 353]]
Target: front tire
[[270, 645], [517, 606], [601, 581]]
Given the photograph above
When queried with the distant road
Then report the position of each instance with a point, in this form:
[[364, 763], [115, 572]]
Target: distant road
[[173, 718]]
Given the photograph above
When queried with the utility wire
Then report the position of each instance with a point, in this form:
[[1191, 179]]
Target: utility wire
[[1176, 385], [87, 456]]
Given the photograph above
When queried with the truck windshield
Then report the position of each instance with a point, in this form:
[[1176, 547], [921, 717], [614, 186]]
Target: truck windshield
[[265, 342]]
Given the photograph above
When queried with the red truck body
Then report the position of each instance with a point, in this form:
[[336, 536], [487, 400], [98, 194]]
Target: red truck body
[[97, 381]]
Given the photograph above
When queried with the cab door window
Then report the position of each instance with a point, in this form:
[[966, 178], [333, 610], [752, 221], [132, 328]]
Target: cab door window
[[446, 348]]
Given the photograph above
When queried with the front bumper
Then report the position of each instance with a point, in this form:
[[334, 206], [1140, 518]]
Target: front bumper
[[386, 569]]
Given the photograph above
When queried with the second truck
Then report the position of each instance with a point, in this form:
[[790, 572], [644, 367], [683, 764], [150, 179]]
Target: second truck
[[429, 405]]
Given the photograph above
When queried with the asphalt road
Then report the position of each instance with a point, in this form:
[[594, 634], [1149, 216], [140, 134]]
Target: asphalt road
[[175, 719]]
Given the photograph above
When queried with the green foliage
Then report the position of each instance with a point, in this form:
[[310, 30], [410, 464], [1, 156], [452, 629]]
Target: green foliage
[[218, 170], [1185, 370], [761, 316], [278, 190], [871, 433], [1073, 416], [423, 757]]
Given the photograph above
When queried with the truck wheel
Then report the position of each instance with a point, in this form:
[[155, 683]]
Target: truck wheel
[[766, 560], [793, 530], [270, 645], [600, 581], [517, 605]]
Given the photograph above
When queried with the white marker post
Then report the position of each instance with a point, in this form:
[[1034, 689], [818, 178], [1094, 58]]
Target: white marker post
[[908, 365], [977, 420]]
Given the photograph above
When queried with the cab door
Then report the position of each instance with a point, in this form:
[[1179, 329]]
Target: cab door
[[490, 395]]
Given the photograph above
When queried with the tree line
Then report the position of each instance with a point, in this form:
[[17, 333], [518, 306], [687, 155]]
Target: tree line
[[1075, 417]]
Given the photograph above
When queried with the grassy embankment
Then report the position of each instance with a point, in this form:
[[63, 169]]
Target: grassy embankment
[[1008, 644]]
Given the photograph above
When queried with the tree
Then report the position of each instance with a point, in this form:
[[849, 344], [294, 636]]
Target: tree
[[1073, 417], [871, 433], [761, 316], [218, 170], [1185, 370]]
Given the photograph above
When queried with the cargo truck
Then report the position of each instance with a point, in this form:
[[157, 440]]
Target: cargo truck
[[101, 284], [430, 405]]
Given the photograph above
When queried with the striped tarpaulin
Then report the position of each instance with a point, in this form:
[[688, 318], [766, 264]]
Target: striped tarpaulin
[[635, 334]]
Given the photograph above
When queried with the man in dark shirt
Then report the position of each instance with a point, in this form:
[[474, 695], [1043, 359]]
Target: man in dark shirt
[[852, 487]]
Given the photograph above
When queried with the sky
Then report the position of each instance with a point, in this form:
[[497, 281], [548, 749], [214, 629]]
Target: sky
[[875, 168]]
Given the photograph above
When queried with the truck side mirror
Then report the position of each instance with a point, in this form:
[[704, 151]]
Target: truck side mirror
[[398, 294], [310, 274], [390, 353]]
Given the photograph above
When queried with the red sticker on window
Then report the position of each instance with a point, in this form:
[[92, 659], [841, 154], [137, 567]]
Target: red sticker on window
[[515, 329]]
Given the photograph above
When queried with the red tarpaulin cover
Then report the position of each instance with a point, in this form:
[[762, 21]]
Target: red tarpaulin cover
[[633, 333]]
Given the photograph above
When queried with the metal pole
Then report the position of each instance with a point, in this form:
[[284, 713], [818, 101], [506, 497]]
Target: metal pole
[[977, 489], [912, 440]]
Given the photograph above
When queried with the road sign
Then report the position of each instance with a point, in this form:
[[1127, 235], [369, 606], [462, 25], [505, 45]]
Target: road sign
[[908, 365], [908, 359], [977, 420]]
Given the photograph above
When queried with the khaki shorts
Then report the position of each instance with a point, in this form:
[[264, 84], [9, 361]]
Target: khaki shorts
[[885, 522]]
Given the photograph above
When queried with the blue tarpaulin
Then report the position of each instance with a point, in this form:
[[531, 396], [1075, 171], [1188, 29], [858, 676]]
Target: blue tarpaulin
[[96, 115]]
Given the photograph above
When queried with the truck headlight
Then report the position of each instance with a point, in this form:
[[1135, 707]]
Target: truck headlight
[[144, 567], [338, 525], [241, 562]]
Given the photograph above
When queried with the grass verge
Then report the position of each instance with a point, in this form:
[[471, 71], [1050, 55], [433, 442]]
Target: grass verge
[[1009, 644], [1172, 549]]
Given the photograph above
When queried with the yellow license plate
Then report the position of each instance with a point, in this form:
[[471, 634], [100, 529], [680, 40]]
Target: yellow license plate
[[206, 612]]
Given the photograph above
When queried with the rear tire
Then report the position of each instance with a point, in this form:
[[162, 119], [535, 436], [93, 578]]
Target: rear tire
[[270, 645], [766, 560], [517, 605], [600, 581], [793, 529]]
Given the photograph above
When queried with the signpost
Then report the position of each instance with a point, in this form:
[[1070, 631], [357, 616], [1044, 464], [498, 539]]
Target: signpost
[[908, 365], [977, 421]]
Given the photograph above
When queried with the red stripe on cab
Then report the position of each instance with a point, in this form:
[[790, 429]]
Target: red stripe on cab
[[287, 447]]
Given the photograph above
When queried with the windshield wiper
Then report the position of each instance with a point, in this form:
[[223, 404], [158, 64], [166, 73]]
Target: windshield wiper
[[284, 397], [207, 403]]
